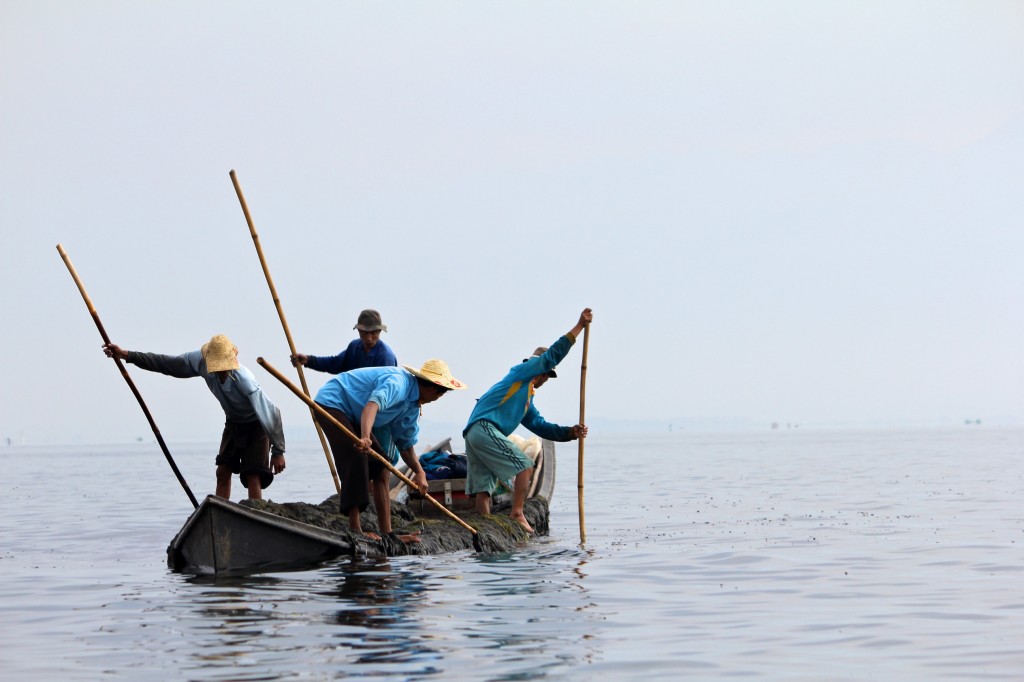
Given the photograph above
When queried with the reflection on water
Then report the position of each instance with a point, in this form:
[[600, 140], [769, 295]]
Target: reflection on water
[[372, 594], [350, 613], [526, 614], [513, 616], [377, 605]]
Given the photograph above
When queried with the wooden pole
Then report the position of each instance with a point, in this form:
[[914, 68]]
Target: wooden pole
[[583, 407], [355, 439], [124, 373], [284, 323]]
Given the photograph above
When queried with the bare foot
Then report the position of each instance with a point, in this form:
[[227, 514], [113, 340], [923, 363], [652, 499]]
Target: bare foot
[[373, 536], [521, 520], [410, 538]]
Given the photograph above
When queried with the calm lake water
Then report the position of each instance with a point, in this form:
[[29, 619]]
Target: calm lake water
[[783, 555]]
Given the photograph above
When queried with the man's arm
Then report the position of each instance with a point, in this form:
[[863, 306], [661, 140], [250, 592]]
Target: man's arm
[[366, 420], [179, 366], [545, 429], [558, 350], [586, 317], [332, 364]]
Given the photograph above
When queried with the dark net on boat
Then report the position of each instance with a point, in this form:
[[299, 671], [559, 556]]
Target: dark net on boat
[[496, 533]]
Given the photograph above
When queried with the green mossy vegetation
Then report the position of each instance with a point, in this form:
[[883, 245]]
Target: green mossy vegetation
[[497, 532]]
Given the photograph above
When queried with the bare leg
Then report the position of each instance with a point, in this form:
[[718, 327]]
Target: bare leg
[[519, 499], [255, 486], [223, 482], [381, 500], [483, 503], [356, 527], [380, 487]]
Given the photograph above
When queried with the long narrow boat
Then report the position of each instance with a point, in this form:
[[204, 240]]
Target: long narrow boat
[[226, 538]]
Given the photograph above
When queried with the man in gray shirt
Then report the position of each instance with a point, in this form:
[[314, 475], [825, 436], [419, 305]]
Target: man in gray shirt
[[252, 428]]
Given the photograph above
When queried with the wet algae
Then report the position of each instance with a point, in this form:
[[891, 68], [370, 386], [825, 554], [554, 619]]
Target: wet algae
[[437, 534]]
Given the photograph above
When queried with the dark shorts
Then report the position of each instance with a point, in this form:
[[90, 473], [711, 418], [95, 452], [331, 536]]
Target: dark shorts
[[355, 468], [245, 450]]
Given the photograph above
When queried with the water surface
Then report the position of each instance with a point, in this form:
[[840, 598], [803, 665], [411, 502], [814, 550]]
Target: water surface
[[789, 555]]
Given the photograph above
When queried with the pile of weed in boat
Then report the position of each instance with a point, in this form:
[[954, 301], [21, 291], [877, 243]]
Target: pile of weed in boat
[[497, 532]]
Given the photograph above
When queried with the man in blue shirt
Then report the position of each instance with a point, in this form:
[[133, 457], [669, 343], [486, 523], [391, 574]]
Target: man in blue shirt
[[368, 398], [252, 428], [491, 456], [366, 351]]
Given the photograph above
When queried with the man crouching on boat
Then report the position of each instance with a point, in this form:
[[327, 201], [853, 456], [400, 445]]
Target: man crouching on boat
[[374, 397], [252, 427], [491, 456]]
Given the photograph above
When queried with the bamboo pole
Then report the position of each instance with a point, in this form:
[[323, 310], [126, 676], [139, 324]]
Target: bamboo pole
[[284, 323], [127, 378], [583, 406], [355, 439]]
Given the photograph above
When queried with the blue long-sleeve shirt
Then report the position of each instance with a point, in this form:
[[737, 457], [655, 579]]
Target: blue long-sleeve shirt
[[395, 391], [240, 395], [354, 357], [509, 402]]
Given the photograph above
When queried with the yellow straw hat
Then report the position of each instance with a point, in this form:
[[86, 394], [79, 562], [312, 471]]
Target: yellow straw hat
[[437, 372], [220, 354]]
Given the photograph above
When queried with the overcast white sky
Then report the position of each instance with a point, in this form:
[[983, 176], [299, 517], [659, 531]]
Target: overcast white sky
[[779, 211]]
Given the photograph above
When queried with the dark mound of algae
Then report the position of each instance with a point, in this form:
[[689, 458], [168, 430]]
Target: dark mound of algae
[[496, 533]]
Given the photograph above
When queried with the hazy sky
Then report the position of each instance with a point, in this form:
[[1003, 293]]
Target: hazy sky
[[799, 212]]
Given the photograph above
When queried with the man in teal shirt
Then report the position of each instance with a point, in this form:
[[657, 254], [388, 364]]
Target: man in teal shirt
[[491, 456]]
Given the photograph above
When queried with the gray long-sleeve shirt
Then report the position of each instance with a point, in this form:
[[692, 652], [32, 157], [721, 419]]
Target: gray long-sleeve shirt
[[240, 395]]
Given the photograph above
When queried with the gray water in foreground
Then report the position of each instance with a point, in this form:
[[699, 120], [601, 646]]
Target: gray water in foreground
[[782, 555]]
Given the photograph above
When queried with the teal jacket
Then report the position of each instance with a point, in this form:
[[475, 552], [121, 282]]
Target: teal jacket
[[509, 402]]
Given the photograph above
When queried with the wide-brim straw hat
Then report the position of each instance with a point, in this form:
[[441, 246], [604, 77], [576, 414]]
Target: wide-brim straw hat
[[370, 321], [437, 372], [220, 354]]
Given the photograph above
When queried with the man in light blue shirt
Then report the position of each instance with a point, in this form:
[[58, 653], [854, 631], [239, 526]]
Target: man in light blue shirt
[[252, 427], [364, 400]]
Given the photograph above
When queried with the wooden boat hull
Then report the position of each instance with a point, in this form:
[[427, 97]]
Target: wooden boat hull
[[223, 537]]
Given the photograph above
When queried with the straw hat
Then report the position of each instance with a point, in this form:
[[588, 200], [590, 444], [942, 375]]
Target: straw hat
[[436, 372], [541, 350], [220, 354], [369, 321]]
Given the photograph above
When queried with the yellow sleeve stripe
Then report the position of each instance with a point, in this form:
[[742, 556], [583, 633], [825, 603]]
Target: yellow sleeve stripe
[[512, 390]]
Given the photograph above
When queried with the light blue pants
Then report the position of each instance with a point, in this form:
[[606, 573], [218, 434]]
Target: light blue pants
[[491, 458]]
